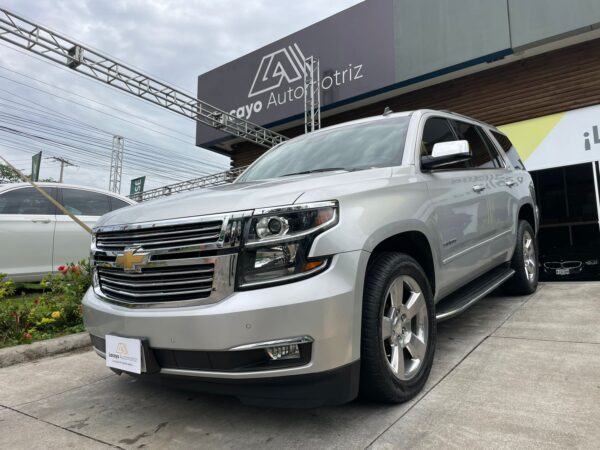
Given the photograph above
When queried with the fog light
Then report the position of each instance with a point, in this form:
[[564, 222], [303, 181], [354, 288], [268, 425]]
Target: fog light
[[283, 352]]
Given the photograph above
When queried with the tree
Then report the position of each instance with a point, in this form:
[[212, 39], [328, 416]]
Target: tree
[[9, 175]]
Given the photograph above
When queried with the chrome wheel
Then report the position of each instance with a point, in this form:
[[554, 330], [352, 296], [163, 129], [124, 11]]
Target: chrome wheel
[[404, 327], [529, 258]]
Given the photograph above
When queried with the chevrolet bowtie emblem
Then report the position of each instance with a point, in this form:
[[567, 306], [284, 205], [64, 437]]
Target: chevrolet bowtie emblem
[[131, 261]]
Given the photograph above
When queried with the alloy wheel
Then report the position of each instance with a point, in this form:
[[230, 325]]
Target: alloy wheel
[[529, 258], [404, 327]]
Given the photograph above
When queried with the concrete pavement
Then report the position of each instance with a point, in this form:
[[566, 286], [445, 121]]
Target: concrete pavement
[[510, 372]]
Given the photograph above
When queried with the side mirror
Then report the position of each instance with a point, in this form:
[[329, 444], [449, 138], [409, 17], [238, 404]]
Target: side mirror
[[445, 153]]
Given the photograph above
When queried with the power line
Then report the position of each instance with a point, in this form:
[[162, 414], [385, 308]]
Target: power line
[[188, 162], [191, 160], [53, 86]]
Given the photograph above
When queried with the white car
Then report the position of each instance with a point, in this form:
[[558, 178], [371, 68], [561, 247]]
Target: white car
[[36, 237]]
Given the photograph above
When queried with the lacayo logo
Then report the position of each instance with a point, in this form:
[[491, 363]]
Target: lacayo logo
[[279, 80], [286, 63]]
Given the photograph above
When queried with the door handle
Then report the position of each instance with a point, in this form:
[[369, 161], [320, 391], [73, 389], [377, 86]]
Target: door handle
[[478, 188], [40, 220], [510, 183]]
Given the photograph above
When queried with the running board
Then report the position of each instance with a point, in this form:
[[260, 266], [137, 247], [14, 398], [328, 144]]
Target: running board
[[474, 291]]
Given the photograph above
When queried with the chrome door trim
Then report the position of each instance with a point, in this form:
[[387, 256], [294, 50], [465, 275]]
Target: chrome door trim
[[473, 247]]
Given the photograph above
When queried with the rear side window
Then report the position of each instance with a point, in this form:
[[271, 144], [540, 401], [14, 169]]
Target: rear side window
[[117, 203], [481, 158], [26, 201], [509, 149], [85, 203]]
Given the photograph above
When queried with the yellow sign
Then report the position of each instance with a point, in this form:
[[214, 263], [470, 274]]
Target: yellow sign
[[556, 140]]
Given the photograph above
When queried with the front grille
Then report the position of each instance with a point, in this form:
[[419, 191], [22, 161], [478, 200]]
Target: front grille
[[157, 284], [160, 237], [164, 263]]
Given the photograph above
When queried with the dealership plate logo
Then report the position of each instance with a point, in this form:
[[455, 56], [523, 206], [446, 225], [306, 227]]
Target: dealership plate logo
[[286, 63]]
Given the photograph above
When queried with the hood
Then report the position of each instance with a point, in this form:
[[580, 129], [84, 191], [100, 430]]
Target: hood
[[239, 196]]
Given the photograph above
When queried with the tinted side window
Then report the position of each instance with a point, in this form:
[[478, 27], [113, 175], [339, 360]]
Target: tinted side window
[[438, 129], [117, 203], [85, 203], [480, 155], [26, 201], [510, 150]]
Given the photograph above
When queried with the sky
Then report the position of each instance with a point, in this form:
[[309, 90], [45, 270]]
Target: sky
[[47, 107]]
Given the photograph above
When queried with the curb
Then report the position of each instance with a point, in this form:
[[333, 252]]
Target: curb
[[29, 352]]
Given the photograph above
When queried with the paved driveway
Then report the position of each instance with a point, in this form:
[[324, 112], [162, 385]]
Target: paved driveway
[[510, 372]]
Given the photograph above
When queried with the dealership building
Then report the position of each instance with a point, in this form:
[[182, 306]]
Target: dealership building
[[530, 67]]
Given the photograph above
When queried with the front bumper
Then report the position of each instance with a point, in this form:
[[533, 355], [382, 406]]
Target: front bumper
[[326, 307]]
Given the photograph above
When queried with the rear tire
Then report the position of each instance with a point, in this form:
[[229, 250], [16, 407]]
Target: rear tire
[[524, 262], [398, 329]]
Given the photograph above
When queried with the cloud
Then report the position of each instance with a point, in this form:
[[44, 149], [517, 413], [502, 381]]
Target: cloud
[[174, 41]]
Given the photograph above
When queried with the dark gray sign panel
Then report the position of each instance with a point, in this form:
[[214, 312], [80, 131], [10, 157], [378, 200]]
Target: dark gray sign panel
[[355, 49]]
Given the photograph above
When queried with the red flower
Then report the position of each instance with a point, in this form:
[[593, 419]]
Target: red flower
[[27, 335], [36, 301], [62, 268], [75, 270]]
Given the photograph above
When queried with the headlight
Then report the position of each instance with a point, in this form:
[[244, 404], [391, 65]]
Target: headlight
[[277, 242]]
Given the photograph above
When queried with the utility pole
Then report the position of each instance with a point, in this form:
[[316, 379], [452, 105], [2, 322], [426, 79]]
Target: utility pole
[[63, 162], [116, 164]]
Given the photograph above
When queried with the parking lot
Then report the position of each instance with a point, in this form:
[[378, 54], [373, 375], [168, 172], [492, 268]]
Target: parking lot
[[510, 372]]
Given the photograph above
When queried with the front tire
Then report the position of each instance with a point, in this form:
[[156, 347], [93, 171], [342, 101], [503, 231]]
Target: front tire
[[524, 262], [398, 329]]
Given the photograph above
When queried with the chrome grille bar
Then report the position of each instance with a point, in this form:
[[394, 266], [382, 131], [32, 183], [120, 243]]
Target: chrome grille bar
[[160, 237], [153, 233], [143, 275], [137, 294], [157, 283]]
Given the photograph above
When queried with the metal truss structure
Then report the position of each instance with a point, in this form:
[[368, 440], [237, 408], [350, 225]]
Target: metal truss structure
[[312, 95], [216, 179], [116, 164], [64, 51]]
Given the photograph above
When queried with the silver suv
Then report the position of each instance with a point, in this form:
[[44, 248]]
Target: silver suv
[[323, 270]]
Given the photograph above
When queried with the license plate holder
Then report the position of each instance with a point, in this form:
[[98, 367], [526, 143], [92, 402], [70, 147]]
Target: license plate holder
[[124, 354], [563, 271]]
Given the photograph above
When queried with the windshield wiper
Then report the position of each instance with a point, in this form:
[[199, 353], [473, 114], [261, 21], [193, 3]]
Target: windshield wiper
[[328, 169]]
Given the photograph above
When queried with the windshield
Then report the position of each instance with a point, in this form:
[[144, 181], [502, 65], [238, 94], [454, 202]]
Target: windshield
[[379, 143]]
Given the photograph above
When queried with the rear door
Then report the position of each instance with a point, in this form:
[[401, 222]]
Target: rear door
[[71, 242], [27, 221]]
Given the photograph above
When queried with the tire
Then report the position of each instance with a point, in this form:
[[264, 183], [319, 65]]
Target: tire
[[524, 262], [378, 380]]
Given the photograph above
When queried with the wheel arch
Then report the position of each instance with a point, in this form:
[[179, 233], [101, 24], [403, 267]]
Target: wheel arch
[[416, 245], [527, 213]]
